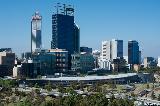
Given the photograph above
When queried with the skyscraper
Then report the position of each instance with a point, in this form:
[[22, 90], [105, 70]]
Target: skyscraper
[[65, 33], [106, 50], [116, 49], [133, 52], [36, 30], [112, 49]]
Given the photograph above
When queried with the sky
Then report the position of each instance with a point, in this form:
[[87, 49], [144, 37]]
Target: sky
[[98, 20]]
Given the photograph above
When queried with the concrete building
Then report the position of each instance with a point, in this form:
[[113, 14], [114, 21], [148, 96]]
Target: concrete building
[[7, 59], [36, 32], [135, 67], [105, 64], [119, 65], [61, 62], [51, 61], [106, 50], [133, 52], [75, 62], [112, 49], [96, 54], [17, 69], [149, 62], [45, 62], [116, 49]]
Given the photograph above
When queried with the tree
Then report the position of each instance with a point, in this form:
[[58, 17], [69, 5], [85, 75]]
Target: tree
[[61, 88], [37, 91], [48, 86], [148, 86], [132, 94], [36, 85], [25, 102], [158, 97], [7, 101], [101, 100], [16, 92], [112, 98], [112, 84]]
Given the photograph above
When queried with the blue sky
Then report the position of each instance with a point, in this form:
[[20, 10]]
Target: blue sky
[[98, 19]]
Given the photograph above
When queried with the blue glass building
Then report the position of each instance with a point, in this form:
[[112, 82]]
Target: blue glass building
[[65, 33], [133, 52]]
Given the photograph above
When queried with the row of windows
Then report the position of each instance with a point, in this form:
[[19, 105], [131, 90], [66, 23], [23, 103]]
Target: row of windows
[[87, 64], [60, 60], [61, 65]]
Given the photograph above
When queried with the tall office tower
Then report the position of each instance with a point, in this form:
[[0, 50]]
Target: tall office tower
[[106, 50], [112, 49], [36, 30], [116, 49], [133, 52], [65, 33]]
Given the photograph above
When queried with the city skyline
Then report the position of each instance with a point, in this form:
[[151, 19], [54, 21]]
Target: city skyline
[[105, 20]]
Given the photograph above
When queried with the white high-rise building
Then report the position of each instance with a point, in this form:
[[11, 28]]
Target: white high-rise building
[[116, 48], [106, 50], [36, 30], [158, 62], [112, 49]]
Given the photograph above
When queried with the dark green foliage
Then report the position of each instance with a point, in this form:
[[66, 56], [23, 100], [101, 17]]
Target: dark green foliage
[[158, 97], [48, 86]]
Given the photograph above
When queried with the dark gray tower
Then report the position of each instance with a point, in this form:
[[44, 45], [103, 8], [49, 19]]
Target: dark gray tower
[[65, 32], [133, 52]]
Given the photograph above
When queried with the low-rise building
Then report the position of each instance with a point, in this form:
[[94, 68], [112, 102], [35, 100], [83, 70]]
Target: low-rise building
[[62, 61], [86, 61], [105, 64], [119, 65], [51, 61], [149, 62], [75, 62], [7, 59], [96, 54], [86, 49], [17, 69]]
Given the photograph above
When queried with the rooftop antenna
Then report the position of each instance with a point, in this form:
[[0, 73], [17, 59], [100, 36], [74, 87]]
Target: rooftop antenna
[[64, 9]]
